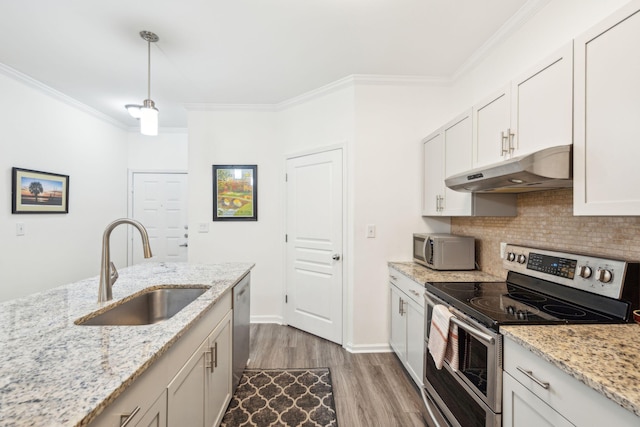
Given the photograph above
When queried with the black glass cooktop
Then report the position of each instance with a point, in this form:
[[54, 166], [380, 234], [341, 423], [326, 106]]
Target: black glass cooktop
[[505, 303]]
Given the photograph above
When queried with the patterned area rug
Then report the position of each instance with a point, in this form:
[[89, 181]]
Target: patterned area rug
[[283, 397]]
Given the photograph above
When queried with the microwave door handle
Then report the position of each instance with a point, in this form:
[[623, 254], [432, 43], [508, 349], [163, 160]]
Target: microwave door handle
[[486, 339]]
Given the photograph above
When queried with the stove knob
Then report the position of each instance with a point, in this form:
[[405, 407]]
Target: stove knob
[[511, 256], [522, 259], [585, 271], [603, 275]]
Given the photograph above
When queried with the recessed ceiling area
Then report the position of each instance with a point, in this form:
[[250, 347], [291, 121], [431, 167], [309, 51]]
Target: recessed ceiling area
[[236, 51]]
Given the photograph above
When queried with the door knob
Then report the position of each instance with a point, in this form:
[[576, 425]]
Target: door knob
[[336, 257], [184, 245]]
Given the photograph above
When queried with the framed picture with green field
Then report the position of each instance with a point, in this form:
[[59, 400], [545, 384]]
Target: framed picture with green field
[[37, 192], [235, 192]]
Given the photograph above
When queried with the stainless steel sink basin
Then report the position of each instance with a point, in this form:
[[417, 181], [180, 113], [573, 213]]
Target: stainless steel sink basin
[[147, 308]]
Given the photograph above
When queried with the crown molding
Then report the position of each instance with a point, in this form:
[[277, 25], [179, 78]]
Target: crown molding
[[524, 14], [57, 95]]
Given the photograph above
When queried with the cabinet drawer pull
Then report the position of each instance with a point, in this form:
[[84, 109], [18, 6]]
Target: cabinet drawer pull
[[215, 355], [529, 374], [126, 419]]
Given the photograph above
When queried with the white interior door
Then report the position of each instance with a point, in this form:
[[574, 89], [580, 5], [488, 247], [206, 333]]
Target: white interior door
[[314, 244], [159, 202]]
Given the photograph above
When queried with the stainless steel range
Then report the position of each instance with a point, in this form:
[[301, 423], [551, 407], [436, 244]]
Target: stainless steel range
[[542, 287]]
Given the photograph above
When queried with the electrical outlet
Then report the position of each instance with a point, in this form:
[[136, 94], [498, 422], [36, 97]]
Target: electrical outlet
[[503, 249], [371, 231]]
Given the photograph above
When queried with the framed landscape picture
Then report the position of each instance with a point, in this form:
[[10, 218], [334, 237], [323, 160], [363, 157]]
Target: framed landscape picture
[[36, 192], [235, 192]]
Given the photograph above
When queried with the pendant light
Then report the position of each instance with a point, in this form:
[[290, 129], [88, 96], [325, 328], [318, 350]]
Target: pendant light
[[147, 113]]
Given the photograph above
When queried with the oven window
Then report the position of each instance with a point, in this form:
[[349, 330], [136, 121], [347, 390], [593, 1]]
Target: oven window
[[473, 360], [466, 410]]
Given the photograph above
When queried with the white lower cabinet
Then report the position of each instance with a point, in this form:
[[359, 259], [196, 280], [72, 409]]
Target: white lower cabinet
[[189, 385], [200, 393], [522, 408], [537, 393], [407, 323], [156, 416]]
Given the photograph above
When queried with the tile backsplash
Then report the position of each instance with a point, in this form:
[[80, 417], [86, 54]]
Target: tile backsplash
[[545, 220]]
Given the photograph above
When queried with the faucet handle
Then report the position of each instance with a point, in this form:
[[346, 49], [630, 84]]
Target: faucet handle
[[113, 273]]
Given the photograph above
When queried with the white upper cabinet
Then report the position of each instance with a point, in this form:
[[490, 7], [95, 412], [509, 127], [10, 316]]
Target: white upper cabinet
[[542, 104], [457, 159], [448, 151], [433, 172], [491, 121], [533, 112], [607, 116]]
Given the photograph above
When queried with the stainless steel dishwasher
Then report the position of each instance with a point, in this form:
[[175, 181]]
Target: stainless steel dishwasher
[[241, 309]]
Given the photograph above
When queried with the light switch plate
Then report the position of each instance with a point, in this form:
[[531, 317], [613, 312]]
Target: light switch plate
[[371, 231], [20, 229], [203, 227], [503, 249]]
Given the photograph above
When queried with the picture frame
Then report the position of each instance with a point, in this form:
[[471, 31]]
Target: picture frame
[[38, 192], [235, 192]]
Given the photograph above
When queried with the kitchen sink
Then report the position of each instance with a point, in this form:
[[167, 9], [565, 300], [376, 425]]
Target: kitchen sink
[[147, 308]]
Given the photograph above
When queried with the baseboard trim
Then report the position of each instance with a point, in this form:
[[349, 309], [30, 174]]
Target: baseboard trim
[[267, 319], [368, 348]]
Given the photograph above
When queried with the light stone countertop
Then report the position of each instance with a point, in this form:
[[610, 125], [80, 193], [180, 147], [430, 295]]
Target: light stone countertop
[[604, 357], [55, 373], [421, 274]]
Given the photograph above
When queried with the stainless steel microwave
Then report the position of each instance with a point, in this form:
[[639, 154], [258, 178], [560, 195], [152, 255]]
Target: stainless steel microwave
[[444, 251]]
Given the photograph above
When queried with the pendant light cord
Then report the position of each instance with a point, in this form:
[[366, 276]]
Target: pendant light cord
[[149, 69]]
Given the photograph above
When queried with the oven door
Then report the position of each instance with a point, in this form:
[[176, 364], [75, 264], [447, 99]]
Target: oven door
[[470, 397]]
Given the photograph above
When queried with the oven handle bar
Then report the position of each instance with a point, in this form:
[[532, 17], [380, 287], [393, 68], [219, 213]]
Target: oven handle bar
[[485, 338]]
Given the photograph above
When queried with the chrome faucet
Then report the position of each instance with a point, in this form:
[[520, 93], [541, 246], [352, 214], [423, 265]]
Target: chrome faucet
[[108, 272]]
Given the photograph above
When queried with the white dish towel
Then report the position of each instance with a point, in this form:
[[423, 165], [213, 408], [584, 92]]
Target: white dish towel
[[443, 338]]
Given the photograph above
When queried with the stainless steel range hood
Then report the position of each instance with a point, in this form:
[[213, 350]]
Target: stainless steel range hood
[[543, 170]]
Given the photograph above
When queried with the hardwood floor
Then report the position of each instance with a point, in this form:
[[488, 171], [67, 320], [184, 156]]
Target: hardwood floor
[[370, 389]]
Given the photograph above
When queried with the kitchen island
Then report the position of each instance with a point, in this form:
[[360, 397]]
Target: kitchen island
[[56, 373]]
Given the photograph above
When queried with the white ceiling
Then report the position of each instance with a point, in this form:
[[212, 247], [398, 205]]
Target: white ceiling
[[236, 51]]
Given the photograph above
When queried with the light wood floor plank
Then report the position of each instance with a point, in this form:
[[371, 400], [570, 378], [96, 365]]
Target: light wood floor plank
[[370, 389]]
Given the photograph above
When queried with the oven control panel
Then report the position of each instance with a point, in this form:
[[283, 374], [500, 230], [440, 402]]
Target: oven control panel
[[600, 276]]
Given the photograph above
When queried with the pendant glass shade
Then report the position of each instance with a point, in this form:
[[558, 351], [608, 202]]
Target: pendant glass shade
[[148, 118]]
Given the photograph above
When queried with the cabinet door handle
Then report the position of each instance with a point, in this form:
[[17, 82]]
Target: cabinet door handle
[[505, 137], [393, 277], [512, 135], [126, 419], [215, 355], [529, 374]]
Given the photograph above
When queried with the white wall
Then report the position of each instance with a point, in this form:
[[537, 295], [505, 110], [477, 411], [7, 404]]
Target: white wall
[[390, 122], [551, 28], [42, 133], [239, 137], [380, 128], [168, 151]]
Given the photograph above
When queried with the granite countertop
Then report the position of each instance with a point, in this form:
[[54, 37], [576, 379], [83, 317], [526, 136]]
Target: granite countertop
[[55, 373], [604, 357], [421, 274]]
